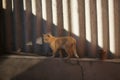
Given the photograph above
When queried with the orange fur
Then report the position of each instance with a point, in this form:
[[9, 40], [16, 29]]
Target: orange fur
[[57, 43]]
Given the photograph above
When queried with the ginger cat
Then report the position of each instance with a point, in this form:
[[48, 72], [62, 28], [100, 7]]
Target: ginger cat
[[57, 43]]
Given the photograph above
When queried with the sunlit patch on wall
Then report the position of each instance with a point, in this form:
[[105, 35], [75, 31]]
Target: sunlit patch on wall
[[99, 23], [13, 5], [38, 41], [65, 15], [87, 20], [24, 5], [54, 11], [34, 7], [4, 4], [111, 26], [74, 17], [44, 14]]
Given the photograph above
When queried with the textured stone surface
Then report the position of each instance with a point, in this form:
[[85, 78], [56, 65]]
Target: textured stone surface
[[44, 68]]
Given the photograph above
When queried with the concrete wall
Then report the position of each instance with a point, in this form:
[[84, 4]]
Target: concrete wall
[[44, 68]]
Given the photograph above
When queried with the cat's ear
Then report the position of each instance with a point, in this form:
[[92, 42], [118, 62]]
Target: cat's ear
[[49, 35]]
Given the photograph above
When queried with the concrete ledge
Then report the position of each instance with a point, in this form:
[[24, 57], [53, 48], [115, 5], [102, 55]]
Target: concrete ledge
[[14, 67]]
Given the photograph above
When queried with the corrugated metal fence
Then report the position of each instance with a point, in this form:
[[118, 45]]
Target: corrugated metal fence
[[94, 23]]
